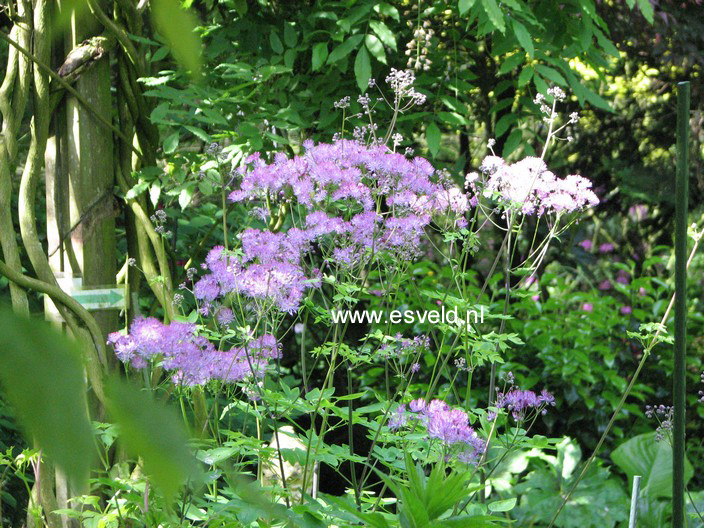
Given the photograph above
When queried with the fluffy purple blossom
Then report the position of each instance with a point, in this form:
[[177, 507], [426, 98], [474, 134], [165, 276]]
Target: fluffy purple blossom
[[356, 203], [450, 426], [192, 359], [521, 402]]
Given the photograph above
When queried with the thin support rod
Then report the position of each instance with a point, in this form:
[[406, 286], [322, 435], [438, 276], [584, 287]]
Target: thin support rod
[[679, 383], [633, 517]]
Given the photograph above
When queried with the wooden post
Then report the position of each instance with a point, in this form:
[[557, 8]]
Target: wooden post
[[79, 193], [80, 179]]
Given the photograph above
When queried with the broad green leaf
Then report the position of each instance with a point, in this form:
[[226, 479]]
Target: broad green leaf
[[344, 49], [383, 8], [241, 7], [184, 197], [605, 43], [171, 143], [152, 431], [525, 76], [375, 47], [43, 379], [432, 137], [198, 132], [465, 5], [178, 25], [155, 193], [647, 9], [540, 84], [290, 35], [384, 33], [511, 63], [502, 505], [290, 57], [524, 38], [503, 124], [362, 69], [452, 118], [550, 74], [512, 142], [652, 460], [496, 17], [276, 45], [320, 53]]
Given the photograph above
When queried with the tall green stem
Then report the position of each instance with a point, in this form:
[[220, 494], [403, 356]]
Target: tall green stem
[[679, 384]]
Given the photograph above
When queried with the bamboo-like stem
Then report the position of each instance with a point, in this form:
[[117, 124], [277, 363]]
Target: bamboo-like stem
[[679, 382], [14, 93]]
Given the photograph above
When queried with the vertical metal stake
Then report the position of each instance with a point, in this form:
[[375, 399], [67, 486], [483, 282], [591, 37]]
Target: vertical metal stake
[[679, 385], [633, 518]]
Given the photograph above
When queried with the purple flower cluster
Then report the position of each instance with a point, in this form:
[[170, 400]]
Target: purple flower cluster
[[339, 191], [528, 185], [664, 415], [450, 426], [343, 173], [192, 358], [267, 271], [521, 402]]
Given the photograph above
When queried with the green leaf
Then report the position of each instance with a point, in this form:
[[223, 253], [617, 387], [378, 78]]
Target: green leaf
[[512, 142], [550, 74], [452, 118], [606, 44], [154, 432], [511, 63], [504, 122], [320, 53], [155, 193], [178, 25], [496, 17], [290, 35], [241, 7], [375, 47], [276, 45], [384, 33], [524, 38], [198, 132], [647, 9], [362, 69], [432, 137], [43, 379], [344, 49], [184, 197], [290, 57], [171, 143], [525, 76], [652, 460], [465, 5], [502, 505]]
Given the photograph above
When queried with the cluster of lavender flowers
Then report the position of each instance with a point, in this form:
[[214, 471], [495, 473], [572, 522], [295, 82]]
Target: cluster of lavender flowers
[[530, 187], [523, 402], [192, 358], [664, 415], [356, 203], [450, 426]]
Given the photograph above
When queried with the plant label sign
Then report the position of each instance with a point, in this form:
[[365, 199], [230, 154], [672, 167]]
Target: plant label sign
[[91, 298]]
